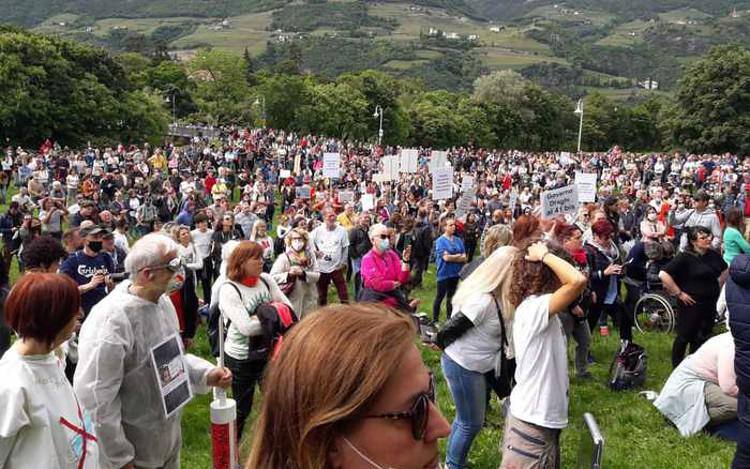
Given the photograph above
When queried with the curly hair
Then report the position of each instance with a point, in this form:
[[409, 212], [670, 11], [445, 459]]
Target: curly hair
[[42, 253], [533, 278]]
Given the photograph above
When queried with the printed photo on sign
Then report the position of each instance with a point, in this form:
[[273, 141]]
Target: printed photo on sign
[[171, 373]]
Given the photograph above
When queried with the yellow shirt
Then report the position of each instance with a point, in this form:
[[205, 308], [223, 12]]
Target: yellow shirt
[[345, 221]]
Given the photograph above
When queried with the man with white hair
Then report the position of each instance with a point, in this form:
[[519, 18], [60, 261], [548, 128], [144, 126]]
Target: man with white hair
[[116, 378]]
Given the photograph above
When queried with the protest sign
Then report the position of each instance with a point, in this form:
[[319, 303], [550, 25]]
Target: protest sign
[[303, 192], [297, 163], [284, 173], [467, 183], [438, 160], [513, 199], [331, 165], [442, 183], [565, 158], [409, 161], [586, 184], [463, 206], [168, 361], [346, 196], [368, 202], [391, 167], [559, 201], [379, 178]]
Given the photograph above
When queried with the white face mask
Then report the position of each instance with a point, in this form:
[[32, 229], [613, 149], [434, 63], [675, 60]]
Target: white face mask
[[298, 245], [373, 463], [651, 217]]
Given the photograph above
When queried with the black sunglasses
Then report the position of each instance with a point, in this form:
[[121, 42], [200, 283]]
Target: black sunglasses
[[383, 236], [418, 414]]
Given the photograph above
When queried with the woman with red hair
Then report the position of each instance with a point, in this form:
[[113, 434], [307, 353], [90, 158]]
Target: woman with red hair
[[43, 425]]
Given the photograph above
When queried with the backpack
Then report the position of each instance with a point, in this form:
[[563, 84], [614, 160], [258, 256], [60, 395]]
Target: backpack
[[275, 319], [628, 368]]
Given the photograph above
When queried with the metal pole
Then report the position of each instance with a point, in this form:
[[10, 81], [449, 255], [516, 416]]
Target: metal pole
[[380, 130], [580, 127], [174, 107]]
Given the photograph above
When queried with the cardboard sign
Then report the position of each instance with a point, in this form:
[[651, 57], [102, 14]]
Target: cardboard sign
[[559, 201], [331, 165], [586, 184], [368, 202], [303, 192], [442, 183], [565, 158], [463, 206], [391, 166], [467, 183], [409, 161], [284, 173], [438, 160]]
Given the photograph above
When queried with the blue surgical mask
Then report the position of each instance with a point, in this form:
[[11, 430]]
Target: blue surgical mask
[[385, 244]]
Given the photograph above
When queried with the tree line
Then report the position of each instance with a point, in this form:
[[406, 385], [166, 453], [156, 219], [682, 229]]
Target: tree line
[[76, 93]]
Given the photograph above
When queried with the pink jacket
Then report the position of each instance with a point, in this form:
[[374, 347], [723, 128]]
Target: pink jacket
[[380, 272]]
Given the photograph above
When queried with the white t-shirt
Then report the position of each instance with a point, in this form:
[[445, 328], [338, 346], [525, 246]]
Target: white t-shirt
[[541, 392], [331, 243], [202, 241], [477, 349]]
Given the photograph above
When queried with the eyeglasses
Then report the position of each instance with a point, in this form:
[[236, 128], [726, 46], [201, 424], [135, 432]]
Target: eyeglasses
[[418, 414], [383, 236], [174, 265]]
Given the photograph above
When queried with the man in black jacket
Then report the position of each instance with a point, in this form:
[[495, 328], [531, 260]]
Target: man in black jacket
[[359, 245], [421, 247]]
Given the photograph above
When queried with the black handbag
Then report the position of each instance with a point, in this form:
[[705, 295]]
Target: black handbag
[[501, 379]]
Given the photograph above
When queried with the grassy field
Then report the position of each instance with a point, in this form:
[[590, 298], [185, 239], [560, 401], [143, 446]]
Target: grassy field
[[636, 434]]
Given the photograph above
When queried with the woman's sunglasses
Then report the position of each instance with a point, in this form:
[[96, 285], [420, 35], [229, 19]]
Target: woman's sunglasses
[[418, 414]]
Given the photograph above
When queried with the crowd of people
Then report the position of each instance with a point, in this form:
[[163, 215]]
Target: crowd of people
[[122, 249]]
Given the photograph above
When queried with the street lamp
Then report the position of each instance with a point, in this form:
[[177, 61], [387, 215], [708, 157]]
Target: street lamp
[[379, 113], [579, 111], [261, 101], [172, 98]]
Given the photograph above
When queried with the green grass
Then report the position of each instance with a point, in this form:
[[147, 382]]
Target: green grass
[[636, 435]]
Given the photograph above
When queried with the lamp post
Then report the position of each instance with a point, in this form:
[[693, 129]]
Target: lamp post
[[261, 101], [379, 113], [579, 111], [172, 98]]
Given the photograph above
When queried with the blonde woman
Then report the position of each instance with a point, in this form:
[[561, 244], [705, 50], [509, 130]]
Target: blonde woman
[[471, 341], [296, 272], [259, 234], [375, 408]]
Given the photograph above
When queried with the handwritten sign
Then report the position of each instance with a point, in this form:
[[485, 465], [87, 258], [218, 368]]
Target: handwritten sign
[[442, 183], [331, 165], [463, 206], [559, 201], [303, 192], [409, 161], [346, 196], [586, 184]]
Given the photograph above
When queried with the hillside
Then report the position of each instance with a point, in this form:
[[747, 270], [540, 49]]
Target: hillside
[[574, 46]]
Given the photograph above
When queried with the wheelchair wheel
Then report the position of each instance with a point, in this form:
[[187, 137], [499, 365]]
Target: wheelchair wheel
[[654, 313]]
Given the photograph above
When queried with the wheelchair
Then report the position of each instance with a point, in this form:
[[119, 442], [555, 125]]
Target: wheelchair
[[655, 310]]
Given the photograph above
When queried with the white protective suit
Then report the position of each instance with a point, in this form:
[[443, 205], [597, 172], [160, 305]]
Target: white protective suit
[[115, 380]]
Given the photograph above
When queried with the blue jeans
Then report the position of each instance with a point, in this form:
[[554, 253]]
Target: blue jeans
[[469, 391], [742, 453]]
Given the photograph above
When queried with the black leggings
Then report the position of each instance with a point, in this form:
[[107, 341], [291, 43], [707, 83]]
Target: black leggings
[[445, 288], [694, 326], [246, 375]]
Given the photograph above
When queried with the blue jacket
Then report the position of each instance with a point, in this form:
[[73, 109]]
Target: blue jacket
[[738, 305]]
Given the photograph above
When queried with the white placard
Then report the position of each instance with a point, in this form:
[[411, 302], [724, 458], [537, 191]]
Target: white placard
[[438, 159], [368, 202], [284, 173], [467, 183], [559, 201], [409, 160], [331, 165], [586, 184], [346, 196], [168, 360], [565, 158], [513, 199], [297, 163], [390, 167], [463, 206], [302, 192], [442, 183], [379, 178]]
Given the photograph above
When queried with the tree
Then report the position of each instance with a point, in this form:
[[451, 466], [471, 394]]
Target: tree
[[335, 109], [284, 95], [222, 94], [500, 87], [711, 113]]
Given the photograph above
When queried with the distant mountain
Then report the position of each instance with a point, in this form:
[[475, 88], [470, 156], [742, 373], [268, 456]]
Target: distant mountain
[[574, 46]]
